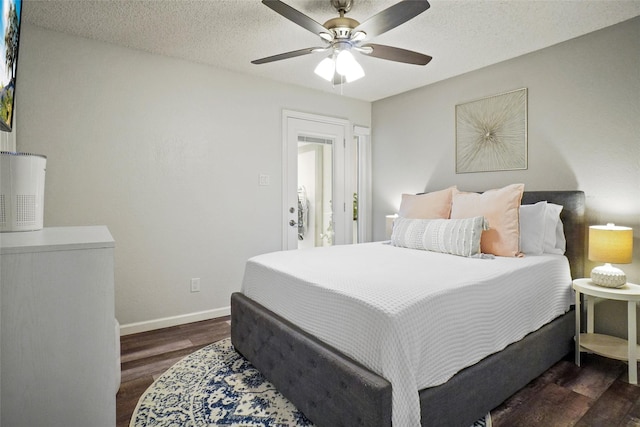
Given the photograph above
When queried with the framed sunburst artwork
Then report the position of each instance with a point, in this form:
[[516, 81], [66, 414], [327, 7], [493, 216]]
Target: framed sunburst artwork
[[491, 133]]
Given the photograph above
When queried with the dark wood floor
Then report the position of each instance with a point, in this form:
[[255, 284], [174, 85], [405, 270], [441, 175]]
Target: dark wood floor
[[596, 394], [145, 356]]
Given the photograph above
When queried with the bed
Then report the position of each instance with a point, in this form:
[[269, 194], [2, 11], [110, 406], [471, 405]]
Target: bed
[[333, 389]]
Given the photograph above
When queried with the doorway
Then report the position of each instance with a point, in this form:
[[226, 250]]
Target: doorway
[[314, 184], [315, 192]]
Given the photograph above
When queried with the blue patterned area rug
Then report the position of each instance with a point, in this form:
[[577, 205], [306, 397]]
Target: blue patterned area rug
[[216, 386]]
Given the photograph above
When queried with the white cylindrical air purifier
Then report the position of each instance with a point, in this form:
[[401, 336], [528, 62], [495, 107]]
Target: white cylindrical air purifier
[[21, 191]]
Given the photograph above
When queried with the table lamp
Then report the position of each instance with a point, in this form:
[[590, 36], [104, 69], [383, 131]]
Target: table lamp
[[610, 244]]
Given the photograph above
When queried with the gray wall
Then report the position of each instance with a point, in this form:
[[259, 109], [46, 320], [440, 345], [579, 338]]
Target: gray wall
[[583, 131], [167, 154]]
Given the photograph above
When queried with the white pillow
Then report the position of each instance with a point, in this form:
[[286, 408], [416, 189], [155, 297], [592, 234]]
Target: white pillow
[[451, 236], [554, 241], [532, 228]]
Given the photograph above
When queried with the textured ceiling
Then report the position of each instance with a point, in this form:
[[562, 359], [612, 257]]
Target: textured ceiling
[[461, 35]]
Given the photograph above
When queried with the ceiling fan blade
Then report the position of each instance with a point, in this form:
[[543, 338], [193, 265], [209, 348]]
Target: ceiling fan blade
[[391, 17], [288, 55], [396, 54], [296, 16]]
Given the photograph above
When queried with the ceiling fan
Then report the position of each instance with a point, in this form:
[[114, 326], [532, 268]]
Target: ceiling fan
[[343, 35]]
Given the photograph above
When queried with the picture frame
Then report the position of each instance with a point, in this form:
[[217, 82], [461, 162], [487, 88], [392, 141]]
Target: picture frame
[[491, 133], [10, 31]]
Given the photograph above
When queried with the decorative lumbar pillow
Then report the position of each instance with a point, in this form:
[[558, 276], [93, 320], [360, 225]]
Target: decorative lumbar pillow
[[532, 228], [450, 236], [436, 204], [501, 208]]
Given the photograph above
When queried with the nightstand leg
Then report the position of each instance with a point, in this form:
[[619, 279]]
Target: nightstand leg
[[590, 316], [577, 339], [633, 357]]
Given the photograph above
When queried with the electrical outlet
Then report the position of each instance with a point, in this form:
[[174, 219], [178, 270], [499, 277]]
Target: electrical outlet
[[195, 285]]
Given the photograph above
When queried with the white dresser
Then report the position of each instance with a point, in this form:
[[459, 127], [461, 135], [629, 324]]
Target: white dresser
[[57, 341]]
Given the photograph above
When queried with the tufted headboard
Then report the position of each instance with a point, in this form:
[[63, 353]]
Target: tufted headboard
[[573, 220]]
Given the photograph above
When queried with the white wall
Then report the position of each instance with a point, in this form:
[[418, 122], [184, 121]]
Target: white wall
[[583, 130], [167, 154]]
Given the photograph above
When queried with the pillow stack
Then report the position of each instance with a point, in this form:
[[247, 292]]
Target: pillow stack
[[467, 224]]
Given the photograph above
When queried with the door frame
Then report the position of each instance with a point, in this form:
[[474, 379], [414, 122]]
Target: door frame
[[289, 170], [363, 136]]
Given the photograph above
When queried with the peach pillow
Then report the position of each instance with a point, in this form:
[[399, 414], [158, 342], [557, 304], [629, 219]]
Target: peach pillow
[[501, 209], [434, 205]]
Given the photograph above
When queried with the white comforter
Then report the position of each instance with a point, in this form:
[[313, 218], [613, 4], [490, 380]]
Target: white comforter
[[414, 317]]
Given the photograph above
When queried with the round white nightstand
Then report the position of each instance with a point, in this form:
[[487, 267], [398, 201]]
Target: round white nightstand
[[606, 345]]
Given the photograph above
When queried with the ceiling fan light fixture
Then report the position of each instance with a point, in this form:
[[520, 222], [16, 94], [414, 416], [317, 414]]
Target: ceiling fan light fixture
[[344, 34], [358, 36], [326, 68], [347, 66], [328, 37]]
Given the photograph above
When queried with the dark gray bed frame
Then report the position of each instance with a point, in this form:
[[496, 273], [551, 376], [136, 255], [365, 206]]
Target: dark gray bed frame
[[333, 390]]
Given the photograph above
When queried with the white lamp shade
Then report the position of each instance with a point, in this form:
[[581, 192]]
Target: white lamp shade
[[347, 66], [326, 69]]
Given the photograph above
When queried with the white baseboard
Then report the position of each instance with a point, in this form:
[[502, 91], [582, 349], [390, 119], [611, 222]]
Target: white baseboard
[[165, 322]]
